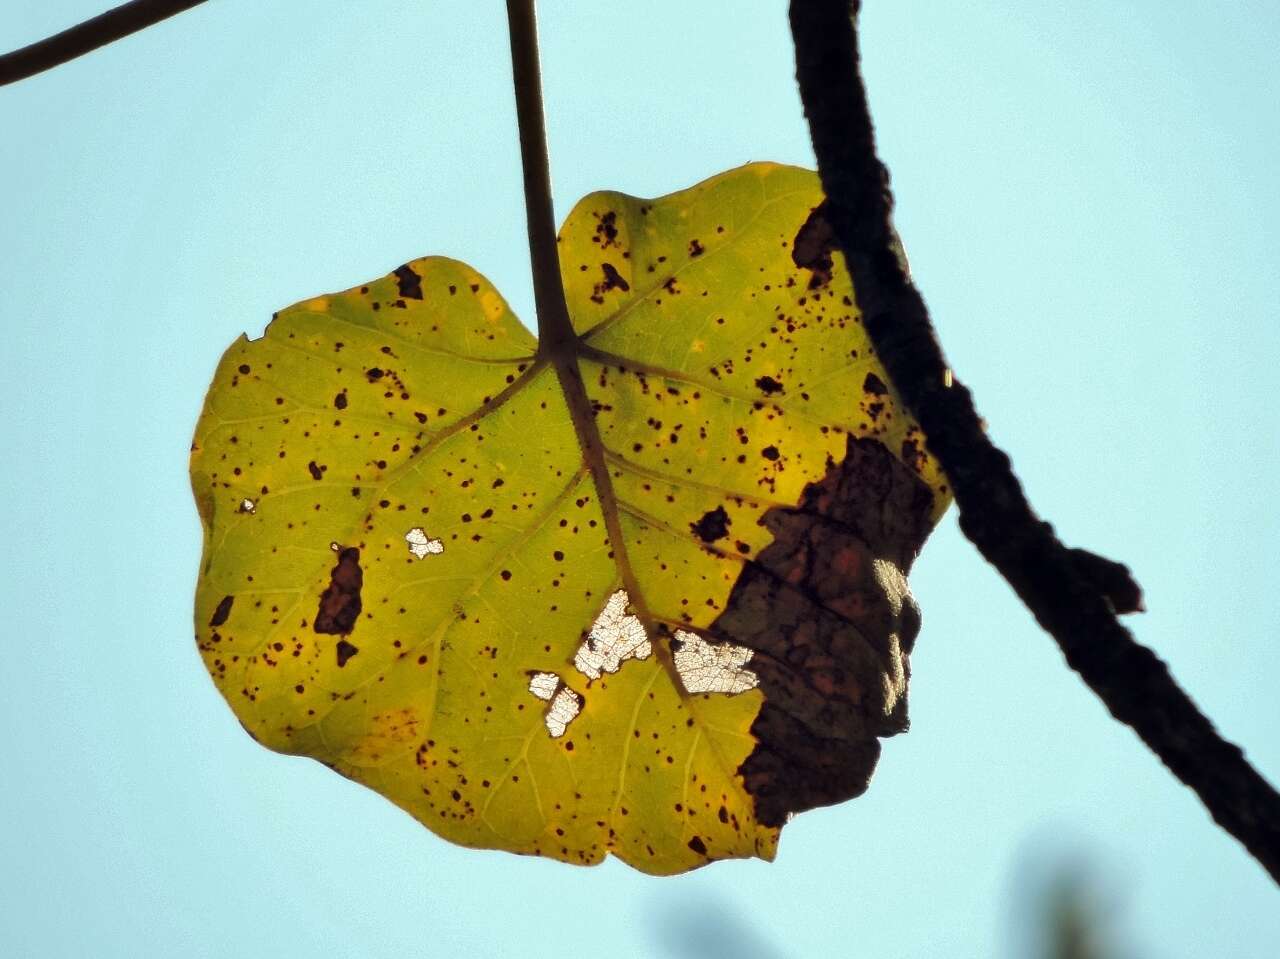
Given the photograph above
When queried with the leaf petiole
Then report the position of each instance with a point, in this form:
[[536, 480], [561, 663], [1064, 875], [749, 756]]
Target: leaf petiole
[[555, 331]]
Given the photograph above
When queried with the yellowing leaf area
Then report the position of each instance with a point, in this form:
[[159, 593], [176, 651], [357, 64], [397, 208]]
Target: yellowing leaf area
[[654, 627]]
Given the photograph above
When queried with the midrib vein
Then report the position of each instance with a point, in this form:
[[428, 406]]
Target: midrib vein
[[593, 453]]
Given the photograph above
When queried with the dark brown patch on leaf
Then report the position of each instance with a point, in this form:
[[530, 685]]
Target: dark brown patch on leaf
[[714, 525], [316, 470], [607, 230], [827, 611], [340, 601], [874, 385], [912, 454], [612, 281], [222, 612], [408, 283], [813, 245], [345, 652], [698, 846], [768, 385], [340, 401]]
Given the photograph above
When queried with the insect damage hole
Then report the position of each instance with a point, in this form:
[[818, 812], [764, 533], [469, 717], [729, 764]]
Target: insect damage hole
[[708, 668], [615, 637], [421, 545], [563, 703]]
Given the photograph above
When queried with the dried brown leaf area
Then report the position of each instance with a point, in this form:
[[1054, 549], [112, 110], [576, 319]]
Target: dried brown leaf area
[[653, 628]]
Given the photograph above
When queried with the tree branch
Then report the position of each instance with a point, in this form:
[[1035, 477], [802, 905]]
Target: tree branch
[[1073, 594], [83, 37]]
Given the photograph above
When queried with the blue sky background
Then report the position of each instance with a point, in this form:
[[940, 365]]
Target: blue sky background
[[1089, 197]]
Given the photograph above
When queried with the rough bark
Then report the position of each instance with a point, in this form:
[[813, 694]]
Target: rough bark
[[1073, 594]]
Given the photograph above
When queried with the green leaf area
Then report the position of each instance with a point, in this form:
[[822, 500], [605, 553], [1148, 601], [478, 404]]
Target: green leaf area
[[644, 597]]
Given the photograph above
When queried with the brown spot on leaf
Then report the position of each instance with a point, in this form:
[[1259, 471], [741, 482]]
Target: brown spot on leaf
[[607, 230], [912, 454], [698, 846], [612, 281], [408, 283], [714, 525], [345, 652], [316, 470], [340, 401], [768, 385], [340, 602], [222, 612], [813, 245], [874, 385]]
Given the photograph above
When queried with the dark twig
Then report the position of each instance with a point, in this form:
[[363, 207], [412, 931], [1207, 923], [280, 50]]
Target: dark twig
[[83, 37], [1074, 595]]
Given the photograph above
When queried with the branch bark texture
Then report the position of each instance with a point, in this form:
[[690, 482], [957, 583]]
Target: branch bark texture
[[1061, 587], [84, 37]]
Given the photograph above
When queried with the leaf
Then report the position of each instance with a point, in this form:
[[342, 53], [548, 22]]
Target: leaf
[[646, 599]]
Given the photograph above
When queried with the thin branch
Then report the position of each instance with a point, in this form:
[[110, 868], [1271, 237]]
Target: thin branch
[[555, 330], [84, 37], [1067, 591]]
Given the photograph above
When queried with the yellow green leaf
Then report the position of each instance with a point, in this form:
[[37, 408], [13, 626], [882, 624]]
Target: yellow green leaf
[[647, 598]]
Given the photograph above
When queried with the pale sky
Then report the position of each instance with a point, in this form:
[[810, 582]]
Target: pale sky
[[1089, 199]]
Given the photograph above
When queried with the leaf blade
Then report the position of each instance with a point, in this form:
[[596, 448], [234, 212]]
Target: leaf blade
[[409, 668]]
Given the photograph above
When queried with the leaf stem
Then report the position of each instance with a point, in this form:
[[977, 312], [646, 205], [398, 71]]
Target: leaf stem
[[555, 331], [85, 37], [1074, 595], [557, 341]]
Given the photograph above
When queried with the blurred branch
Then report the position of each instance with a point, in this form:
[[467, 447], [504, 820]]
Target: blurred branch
[[1073, 927], [1074, 595], [84, 37]]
